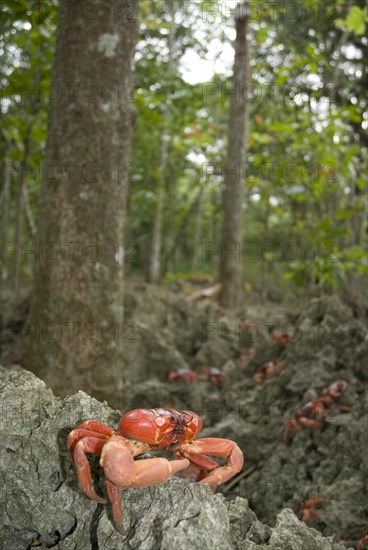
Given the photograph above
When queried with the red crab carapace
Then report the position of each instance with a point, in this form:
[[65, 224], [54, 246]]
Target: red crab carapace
[[183, 375]]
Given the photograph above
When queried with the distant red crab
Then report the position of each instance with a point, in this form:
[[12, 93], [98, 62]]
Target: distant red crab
[[140, 431], [312, 413], [19, 360], [284, 338], [363, 541], [307, 510], [215, 376], [247, 355], [183, 375], [268, 370]]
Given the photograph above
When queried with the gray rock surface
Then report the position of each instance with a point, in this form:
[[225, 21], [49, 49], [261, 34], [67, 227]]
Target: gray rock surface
[[42, 506]]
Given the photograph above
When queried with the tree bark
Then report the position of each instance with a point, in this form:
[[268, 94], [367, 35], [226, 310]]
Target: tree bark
[[230, 272], [75, 333]]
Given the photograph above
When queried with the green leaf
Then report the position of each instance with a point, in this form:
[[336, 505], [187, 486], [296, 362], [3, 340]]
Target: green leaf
[[356, 20], [280, 127]]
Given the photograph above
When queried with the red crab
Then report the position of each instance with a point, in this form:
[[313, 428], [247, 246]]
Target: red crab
[[334, 390], [283, 338], [307, 510], [268, 370], [140, 431], [185, 375], [19, 360], [312, 413], [363, 541], [215, 376]]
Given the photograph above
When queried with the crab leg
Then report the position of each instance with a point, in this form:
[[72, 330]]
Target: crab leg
[[121, 469], [145, 473], [199, 461], [309, 423], [296, 424], [317, 409], [80, 433], [95, 426], [200, 466], [117, 509], [88, 444], [289, 426], [215, 447]]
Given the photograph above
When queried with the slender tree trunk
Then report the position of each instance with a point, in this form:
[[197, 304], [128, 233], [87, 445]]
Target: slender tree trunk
[[29, 214], [232, 229], [17, 235], [198, 231], [75, 332], [5, 197], [214, 225], [155, 259], [363, 225], [265, 268], [336, 76], [20, 212]]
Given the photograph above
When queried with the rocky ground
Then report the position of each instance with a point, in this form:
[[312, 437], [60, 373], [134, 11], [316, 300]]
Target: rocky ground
[[164, 332]]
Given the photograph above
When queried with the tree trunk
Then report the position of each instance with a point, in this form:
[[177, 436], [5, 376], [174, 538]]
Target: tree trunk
[[232, 229], [265, 268], [155, 259], [5, 198], [154, 275], [75, 333], [29, 214], [20, 212], [198, 231]]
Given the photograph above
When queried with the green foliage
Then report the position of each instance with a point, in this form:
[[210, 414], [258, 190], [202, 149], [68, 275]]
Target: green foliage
[[306, 176], [27, 44], [317, 273], [357, 19]]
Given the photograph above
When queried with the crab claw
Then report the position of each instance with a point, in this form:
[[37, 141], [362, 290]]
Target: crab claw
[[197, 450], [122, 470]]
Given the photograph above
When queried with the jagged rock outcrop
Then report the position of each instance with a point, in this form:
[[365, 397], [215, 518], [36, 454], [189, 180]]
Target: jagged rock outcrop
[[42, 506]]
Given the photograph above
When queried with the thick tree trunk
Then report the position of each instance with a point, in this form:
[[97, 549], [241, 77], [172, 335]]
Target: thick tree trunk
[[154, 275], [75, 332], [232, 229]]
